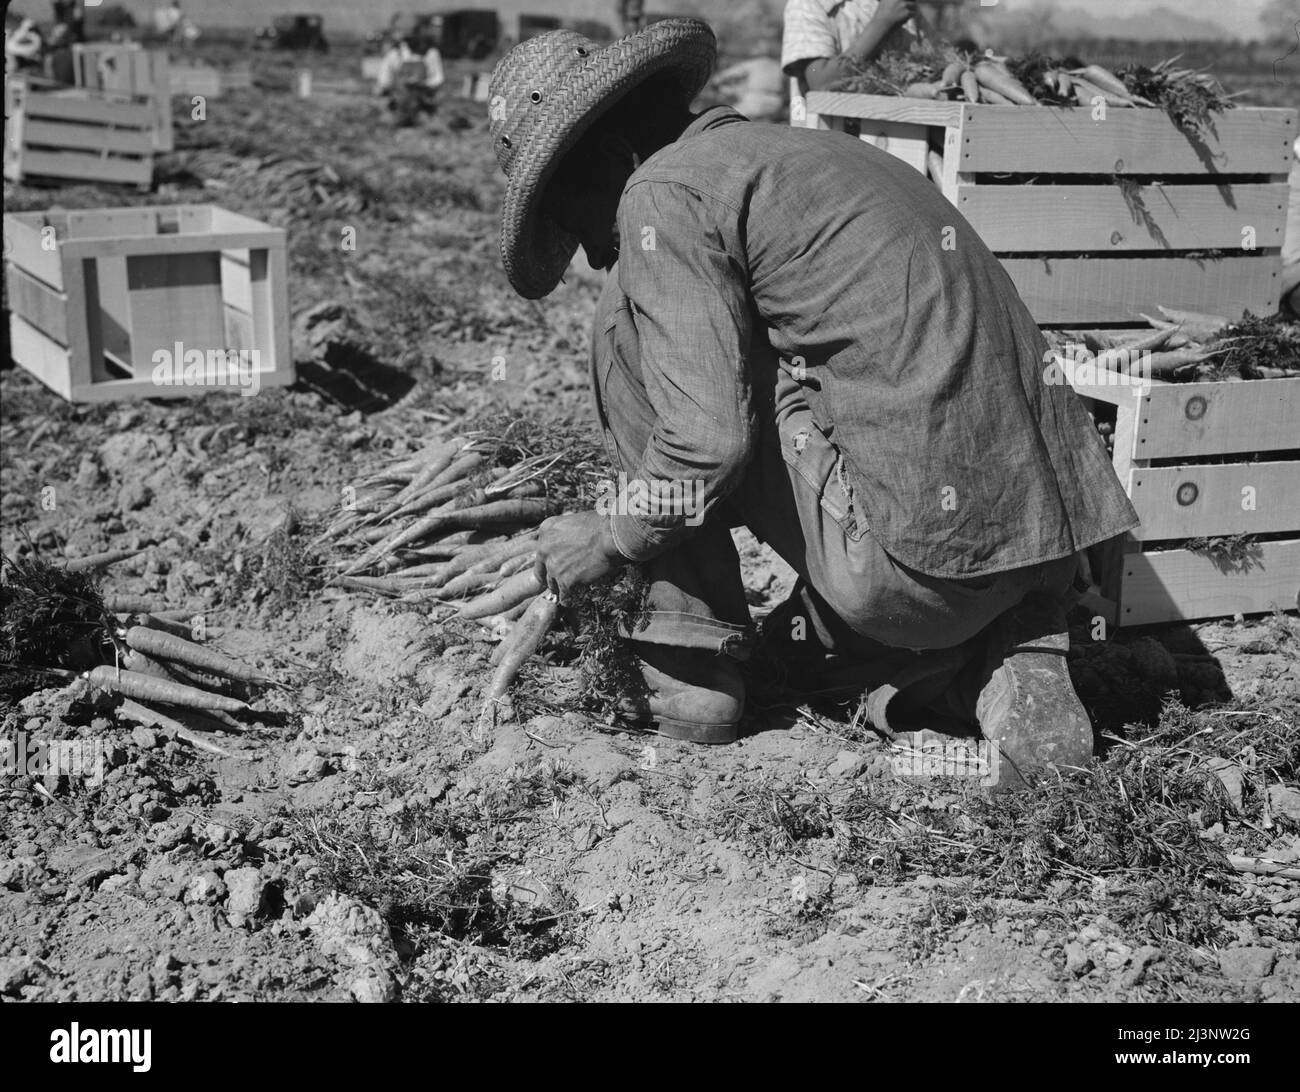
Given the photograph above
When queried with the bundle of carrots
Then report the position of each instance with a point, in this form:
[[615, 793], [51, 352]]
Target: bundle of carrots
[[446, 527], [1189, 97], [180, 679], [455, 527], [1191, 346]]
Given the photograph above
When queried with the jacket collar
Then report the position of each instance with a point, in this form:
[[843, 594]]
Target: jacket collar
[[712, 118]]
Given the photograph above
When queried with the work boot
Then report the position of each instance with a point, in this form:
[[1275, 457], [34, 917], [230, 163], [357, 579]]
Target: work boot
[[693, 694], [1027, 707]]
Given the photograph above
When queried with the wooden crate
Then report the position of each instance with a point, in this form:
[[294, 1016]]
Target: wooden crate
[[1090, 251], [125, 67], [1203, 460], [308, 85], [95, 295], [76, 134], [195, 79], [237, 77]]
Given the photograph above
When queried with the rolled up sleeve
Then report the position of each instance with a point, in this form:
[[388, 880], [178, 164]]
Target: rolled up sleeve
[[681, 270], [808, 34]]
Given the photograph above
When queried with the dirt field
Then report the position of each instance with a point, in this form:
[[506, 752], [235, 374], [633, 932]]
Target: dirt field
[[363, 840]]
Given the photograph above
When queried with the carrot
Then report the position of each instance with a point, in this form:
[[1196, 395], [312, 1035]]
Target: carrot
[[1189, 319], [445, 551], [488, 565], [1163, 364], [144, 715], [1102, 78], [139, 662], [379, 585], [163, 625], [453, 495], [990, 96], [934, 164], [431, 569], [519, 587], [970, 85], [495, 552], [1064, 84], [128, 604], [998, 79], [430, 498], [951, 74], [165, 646], [1085, 92], [432, 473], [527, 634], [98, 561], [132, 684], [922, 90], [502, 625], [503, 511], [1151, 340]]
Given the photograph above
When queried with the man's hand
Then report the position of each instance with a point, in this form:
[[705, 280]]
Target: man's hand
[[895, 12], [575, 550]]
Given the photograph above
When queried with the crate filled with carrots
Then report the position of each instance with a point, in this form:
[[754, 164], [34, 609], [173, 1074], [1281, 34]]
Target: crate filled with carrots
[[1104, 194], [1201, 416]]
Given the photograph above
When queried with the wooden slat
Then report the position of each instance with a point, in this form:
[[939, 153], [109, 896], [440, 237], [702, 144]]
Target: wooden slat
[[1096, 291], [885, 108], [40, 355], [162, 244], [174, 298], [1194, 501], [1101, 218], [87, 167], [1178, 585], [58, 134], [1066, 140], [23, 238], [80, 106], [1183, 420], [236, 285], [111, 223], [37, 302], [906, 142], [1048, 140]]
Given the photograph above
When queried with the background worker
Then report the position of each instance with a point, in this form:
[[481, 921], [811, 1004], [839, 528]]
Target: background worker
[[824, 40], [23, 44], [410, 80]]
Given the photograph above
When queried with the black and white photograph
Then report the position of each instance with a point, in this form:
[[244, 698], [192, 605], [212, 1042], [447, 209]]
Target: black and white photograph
[[700, 501]]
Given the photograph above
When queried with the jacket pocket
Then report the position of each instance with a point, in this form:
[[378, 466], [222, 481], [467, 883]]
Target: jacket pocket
[[818, 463]]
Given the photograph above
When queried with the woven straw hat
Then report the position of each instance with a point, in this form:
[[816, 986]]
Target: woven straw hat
[[544, 95]]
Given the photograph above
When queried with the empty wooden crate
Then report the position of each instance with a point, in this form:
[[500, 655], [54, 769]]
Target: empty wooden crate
[[1204, 464], [75, 134], [1098, 218], [125, 67], [148, 302]]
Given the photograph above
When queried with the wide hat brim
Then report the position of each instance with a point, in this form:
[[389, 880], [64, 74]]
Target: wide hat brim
[[534, 250]]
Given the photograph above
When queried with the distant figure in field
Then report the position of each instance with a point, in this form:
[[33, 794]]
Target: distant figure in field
[[23, 45], [410, 81], [72, 14], [58, 55]]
